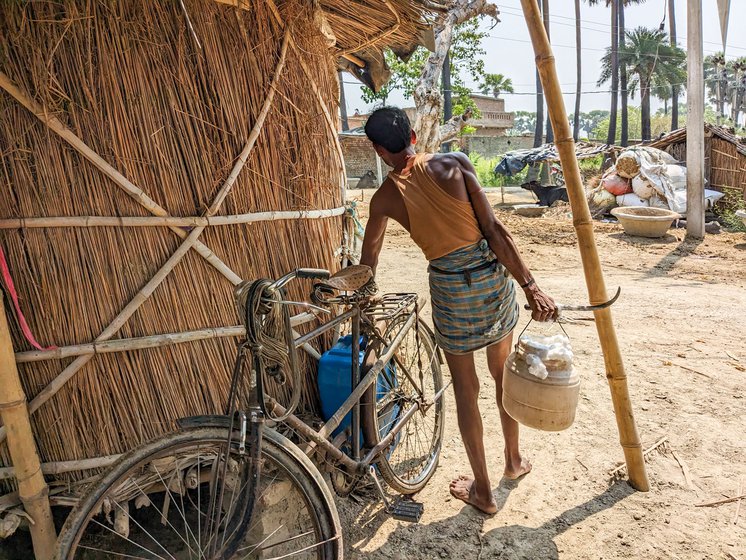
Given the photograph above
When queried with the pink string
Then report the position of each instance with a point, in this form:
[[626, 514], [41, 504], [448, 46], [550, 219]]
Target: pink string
[[8, 280]]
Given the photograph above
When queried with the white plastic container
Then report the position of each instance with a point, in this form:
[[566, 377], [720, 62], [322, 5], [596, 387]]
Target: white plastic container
[[547, 404]]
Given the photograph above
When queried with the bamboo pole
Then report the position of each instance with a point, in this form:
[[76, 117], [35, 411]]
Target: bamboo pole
[[32, 488], [143, 342], [594, 279], [695, 130], [170, 221], [60, 467]]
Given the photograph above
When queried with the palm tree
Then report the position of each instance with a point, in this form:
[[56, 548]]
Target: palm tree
[[675, 87], [737, 88], [614, 64], [579, 74], [650, 60], [618, 85], [545, 17], [495, 84], [716, 80]]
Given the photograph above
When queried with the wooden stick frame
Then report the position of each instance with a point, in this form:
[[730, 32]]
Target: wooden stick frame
[[162, 218], [594, 279]]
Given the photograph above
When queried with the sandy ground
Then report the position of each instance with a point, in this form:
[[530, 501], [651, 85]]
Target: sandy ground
[[681, 321]]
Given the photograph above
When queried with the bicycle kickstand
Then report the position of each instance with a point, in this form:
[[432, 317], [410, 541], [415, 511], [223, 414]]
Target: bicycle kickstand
[[403, 509]]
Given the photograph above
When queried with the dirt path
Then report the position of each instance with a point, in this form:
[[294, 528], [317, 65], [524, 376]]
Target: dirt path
[[681, 322]]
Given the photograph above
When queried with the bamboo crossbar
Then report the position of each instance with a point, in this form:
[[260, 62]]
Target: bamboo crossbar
[[142, 342], [60, 467], [170, 221]]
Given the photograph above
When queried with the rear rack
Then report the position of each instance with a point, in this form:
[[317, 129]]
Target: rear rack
[[391, 305]]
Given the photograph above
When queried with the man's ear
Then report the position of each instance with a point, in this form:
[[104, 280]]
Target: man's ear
[[379, 150], [413, 137]]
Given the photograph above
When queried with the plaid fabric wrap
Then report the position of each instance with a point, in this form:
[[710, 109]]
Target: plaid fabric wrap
[[471, 316]]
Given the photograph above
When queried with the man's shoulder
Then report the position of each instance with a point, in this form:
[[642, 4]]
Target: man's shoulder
[[441, 166]]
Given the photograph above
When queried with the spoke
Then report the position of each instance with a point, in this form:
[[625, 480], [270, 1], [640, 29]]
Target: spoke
[[173, 500], [138, 545], [260, 543], [288, 555], [110, 553]]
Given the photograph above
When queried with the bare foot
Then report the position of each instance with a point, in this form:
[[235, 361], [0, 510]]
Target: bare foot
[[463, 488], [516, 471]]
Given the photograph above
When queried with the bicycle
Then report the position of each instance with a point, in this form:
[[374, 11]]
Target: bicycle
[[232, 486]]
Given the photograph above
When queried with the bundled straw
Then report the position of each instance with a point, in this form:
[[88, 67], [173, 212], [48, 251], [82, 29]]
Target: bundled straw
[[171, 115]]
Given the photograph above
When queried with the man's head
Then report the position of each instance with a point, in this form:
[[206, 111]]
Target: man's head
[[389, 130]]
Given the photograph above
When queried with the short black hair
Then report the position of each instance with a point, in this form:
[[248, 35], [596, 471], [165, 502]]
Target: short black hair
[[389, 127]]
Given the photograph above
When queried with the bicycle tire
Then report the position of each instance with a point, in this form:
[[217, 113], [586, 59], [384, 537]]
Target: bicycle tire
[[397, 470], [277, 454]]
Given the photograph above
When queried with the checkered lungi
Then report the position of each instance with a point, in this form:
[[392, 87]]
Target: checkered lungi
[[473, 299]]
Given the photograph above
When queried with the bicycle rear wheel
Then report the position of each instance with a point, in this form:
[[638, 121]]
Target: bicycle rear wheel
[[154, 503], [413, 375]]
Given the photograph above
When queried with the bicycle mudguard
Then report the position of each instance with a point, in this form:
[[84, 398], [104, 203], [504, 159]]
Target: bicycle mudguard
[[205, 421]]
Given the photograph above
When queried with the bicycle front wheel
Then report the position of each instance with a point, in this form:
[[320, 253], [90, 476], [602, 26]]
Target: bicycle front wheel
[[412, 376], [185, 495]]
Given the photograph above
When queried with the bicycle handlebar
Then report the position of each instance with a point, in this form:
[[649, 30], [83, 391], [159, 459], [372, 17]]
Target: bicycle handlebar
[[307, 273], [313, 273]]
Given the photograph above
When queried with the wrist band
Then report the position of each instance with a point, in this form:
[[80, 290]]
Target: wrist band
[[527, 284]]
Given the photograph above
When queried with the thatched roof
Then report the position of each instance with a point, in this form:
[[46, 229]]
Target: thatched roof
[[679, 135], [359, 30]]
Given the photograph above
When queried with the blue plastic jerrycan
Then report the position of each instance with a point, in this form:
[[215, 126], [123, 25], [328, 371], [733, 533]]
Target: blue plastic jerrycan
[[335, 384]]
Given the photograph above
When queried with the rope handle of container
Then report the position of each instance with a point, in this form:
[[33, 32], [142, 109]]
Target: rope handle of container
[[11, 288]]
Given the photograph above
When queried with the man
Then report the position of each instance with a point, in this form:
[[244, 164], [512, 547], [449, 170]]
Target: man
[[439, 201]]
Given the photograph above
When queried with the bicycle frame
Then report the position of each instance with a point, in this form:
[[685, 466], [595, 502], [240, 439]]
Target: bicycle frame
[[354, 464]]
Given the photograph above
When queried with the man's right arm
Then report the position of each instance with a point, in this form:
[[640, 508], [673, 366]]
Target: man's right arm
[[375, 230]]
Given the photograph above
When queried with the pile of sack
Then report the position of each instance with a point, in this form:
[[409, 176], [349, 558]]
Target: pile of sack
[[644, 176]]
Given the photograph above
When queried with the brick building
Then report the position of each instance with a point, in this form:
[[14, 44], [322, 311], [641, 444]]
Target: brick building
[[488, 140]]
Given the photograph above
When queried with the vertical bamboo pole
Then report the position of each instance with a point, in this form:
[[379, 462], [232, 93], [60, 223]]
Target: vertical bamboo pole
[[594, 279], [695, 124], [32, 488]]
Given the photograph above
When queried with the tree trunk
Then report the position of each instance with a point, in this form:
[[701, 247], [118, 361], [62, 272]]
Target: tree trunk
[[545, 17], [539, 125], [578, 75], [342, 103], [611, 137], [427, 97], [447, 98], [674, 88], [623, 80], [645, 110]]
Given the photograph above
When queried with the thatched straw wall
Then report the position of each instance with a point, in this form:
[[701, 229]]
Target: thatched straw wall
[[129, 79], [725, 158]]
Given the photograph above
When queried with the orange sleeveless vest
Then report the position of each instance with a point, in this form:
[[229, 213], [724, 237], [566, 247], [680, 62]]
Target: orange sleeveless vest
[[439, 223]]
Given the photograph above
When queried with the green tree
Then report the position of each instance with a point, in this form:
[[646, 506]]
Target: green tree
[[495, 84], [650, 60], [589, 121], [716, 81], [524, 122], [467, 64]]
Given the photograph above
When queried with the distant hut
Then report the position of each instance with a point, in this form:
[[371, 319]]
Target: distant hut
[[725, 157], [153, 155]]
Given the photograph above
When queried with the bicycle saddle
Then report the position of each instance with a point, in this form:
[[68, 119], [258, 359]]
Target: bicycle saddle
[[349, 279]]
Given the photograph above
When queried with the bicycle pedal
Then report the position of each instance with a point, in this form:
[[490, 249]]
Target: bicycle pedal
[[407, 510]]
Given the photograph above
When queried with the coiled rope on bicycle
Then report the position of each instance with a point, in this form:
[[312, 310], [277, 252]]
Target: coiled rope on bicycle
[[270, 339]]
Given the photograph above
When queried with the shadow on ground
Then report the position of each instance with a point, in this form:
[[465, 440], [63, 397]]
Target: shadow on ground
[[462, 536]]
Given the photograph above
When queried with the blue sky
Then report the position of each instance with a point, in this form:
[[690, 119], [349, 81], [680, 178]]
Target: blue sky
[[509, 50]]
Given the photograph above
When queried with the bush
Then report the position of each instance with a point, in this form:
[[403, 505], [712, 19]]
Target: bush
[[726, 211], [487, 177]]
